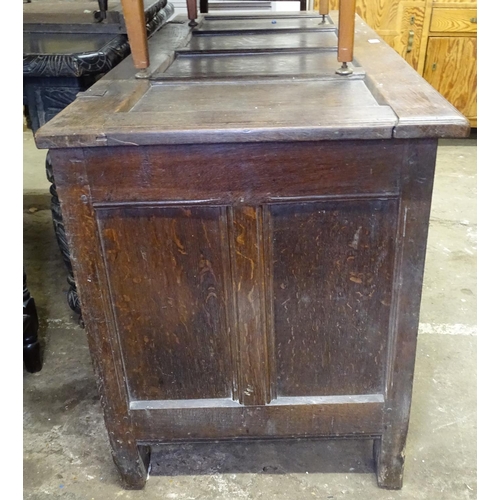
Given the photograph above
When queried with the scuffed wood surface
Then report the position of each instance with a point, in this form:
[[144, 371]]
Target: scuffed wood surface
[[402, 103]]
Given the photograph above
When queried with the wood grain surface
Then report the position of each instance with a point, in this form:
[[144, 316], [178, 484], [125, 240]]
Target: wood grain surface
[[250, 252], [402, 104], [454, 20], [444, 69], [167, 283]]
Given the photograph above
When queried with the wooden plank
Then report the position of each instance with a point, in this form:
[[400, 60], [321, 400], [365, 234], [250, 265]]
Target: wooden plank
[[247, 268], [272, 421], [223, 174]]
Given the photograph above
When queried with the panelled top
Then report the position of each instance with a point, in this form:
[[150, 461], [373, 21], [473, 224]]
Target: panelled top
[[252, 79]]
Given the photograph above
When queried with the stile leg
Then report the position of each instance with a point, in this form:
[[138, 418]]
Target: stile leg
[[132, 462], [389, 456]]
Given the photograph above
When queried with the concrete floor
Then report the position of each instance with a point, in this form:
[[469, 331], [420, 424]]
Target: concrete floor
[[66, 452]]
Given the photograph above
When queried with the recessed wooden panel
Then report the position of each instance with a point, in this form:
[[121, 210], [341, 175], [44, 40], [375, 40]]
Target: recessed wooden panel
[[166, 277], [262, 41], [332, 285], [252, 65]]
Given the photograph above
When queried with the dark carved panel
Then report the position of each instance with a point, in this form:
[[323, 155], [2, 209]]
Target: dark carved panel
[[32, 355], [62, 241], [55, 60], [167, 283], [51, 101], [60, 65], [332, 283]]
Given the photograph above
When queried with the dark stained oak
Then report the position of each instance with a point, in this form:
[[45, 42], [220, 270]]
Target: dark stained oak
[[249, 243], [336, 284], [167, 284]]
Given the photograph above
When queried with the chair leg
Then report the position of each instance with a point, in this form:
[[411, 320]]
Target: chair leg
[[204, 6], [192, 12]]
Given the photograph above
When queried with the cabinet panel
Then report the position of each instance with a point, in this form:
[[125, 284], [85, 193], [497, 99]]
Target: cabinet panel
[[450, 68], [454, 20], [166, 275], [332, 284]]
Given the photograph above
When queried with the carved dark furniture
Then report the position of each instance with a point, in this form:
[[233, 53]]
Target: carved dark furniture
[[248, 230], [32, 355], [65, 51]]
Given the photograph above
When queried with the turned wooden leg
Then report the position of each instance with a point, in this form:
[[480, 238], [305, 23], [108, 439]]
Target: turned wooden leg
[[32, 353], [324, 7], [347, 14], [192, 12], [132, 463], [135, 21], [57, 220]]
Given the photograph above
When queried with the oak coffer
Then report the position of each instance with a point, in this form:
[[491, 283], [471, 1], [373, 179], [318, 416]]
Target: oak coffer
[[248, 231]]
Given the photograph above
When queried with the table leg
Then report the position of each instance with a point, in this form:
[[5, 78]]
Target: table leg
[[31, 346], [73, 300]]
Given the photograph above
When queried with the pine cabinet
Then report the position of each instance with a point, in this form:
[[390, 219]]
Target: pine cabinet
[[449, 62], [452, 59]]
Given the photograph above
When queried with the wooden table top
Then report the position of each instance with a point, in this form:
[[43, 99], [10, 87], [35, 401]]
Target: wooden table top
[[264, 78]]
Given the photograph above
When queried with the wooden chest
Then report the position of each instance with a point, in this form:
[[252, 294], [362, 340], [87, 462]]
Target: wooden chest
[[248, 233]]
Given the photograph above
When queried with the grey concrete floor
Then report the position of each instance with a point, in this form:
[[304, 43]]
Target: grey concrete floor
[[66, 451]]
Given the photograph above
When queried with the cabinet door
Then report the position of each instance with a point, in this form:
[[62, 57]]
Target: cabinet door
[[450, 67]]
